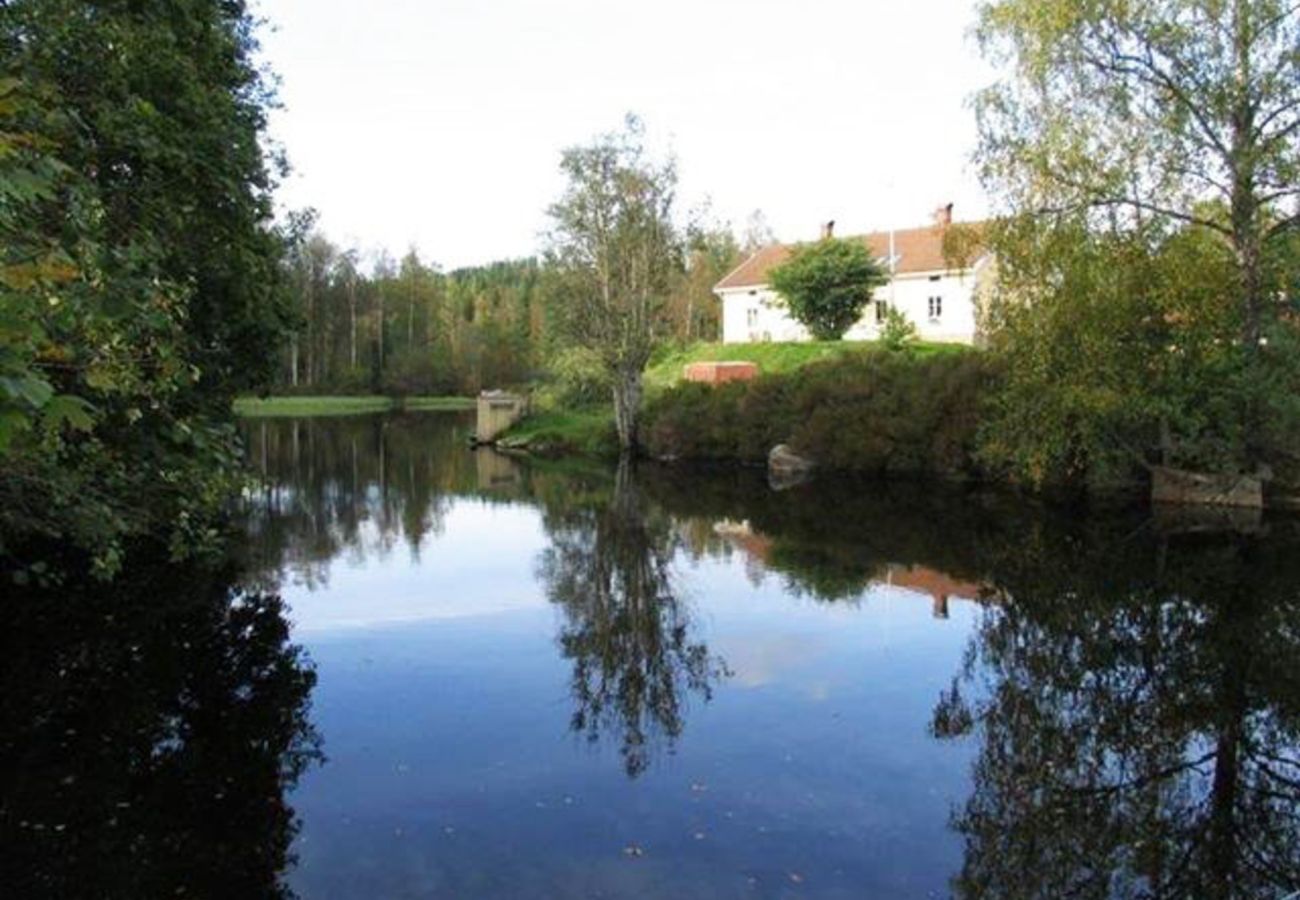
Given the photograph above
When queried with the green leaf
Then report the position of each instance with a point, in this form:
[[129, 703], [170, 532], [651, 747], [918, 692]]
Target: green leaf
[[31, 390], [70, 410]]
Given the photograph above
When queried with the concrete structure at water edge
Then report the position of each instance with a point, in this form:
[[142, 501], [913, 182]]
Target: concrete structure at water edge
[[497, 411], [1177, 486], [496, 471]]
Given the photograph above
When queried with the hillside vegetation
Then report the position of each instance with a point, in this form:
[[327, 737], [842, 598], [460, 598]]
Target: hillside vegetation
[[878, 412], [569, 419]]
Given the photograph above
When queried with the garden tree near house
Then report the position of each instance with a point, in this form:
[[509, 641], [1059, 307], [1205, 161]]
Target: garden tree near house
[[827, 285], [897, 332], [1123, 127], [615, 247]]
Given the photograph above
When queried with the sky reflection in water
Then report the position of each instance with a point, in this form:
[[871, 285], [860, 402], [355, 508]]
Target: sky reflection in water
[[559, 680], [575, 681], [496, 716]]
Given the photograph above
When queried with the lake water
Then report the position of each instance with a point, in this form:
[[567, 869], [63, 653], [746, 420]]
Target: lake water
[[437, 672]]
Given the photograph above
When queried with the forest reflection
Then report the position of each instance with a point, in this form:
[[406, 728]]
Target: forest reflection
[[1131, 685], [1136, 700], [150, 732], [363, 487]]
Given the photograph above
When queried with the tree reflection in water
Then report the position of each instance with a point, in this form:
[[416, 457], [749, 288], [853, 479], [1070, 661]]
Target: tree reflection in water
[[149, 731], [1135, 699], [1137, 705], [627, 631]]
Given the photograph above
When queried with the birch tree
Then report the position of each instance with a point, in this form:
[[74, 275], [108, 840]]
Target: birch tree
[[614, 244], [1144, 119]]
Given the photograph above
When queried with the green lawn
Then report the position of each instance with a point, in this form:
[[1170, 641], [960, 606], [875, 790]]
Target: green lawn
[[342, 406], [589, 431], [772, 358]]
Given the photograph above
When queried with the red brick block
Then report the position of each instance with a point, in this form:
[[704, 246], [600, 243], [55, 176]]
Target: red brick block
[[720, 372]]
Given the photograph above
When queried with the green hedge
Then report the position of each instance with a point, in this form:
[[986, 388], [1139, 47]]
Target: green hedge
[[876, 412]]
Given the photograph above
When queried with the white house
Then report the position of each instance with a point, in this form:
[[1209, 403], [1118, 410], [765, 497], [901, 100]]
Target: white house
[[937, 295]]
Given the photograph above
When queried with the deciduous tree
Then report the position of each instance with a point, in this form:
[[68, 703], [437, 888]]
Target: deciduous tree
[[613, 240], [139, 171], [1139, 120]]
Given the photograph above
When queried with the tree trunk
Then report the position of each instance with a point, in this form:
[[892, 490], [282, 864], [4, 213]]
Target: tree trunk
[[352, 318], [293, 360], [627, 407], [381, 334], [1245, 214], [311, 331]]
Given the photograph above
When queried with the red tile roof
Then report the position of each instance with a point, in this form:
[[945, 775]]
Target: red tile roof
[[918, 250]]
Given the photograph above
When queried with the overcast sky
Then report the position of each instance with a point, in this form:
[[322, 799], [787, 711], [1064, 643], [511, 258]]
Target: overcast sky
[[439, 123]]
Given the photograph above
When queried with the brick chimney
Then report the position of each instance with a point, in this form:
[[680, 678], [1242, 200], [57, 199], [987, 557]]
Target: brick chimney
[[943, 216], [828, 230]]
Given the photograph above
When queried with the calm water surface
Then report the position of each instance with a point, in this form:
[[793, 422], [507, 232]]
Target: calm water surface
[[442, 673]]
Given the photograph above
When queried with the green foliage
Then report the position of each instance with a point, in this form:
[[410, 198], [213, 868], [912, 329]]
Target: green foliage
[[898, 333], [1120, 354], [589, 431], [579, 378], [408, 328], [139, 278], [876, 412], [615, 250], [1149, 155], [827, 285], [709, 252]]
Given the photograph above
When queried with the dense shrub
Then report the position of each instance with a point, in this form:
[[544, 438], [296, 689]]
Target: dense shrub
[[579, 378], [875, 412]]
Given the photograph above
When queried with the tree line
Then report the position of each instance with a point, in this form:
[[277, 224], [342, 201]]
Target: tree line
[[369, 323]]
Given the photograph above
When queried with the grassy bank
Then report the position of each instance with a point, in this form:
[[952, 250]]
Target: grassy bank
[[343, 406], [590, 429], [587, 431], [772, 358]]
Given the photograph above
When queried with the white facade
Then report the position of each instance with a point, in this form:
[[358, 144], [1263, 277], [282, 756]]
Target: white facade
[[942, 305]]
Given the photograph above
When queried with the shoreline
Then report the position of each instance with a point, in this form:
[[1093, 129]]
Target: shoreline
[[308, 405]]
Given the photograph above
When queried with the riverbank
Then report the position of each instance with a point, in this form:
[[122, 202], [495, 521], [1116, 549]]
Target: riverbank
[[559, 428], [588, 431], [853, 407], [304, 406]]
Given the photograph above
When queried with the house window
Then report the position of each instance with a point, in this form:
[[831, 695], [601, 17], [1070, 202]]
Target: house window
[[751, 318], [882, 310], [936, 308]]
